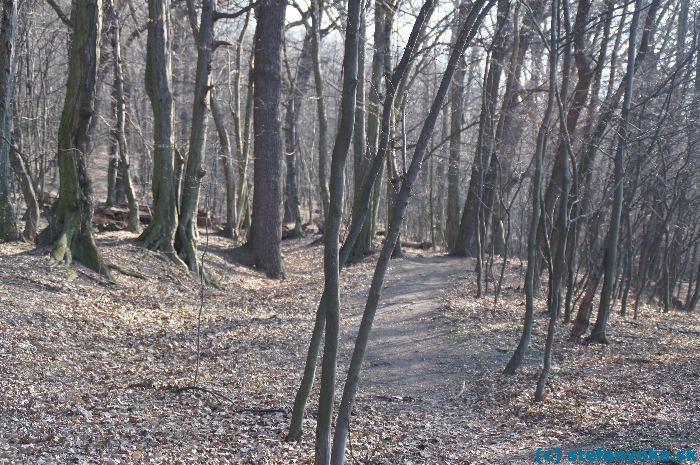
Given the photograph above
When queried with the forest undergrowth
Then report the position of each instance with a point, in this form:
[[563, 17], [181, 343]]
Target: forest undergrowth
[[93, 372]]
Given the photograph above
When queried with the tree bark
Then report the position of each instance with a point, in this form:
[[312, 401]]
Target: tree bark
[[298, 89], [466, 236], [160, 233], [230, 227], [70, 231], [358, 216], [265, 231], [8, 220], [456, 120], [331, 235], [120, 126], [186, 235], [342, 431], [598, 333]]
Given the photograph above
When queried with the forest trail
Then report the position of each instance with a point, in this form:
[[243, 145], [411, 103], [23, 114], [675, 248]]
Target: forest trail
[[415, 351]]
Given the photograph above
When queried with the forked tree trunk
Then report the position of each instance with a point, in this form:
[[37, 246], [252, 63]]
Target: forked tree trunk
[[542, 138], [70, 231], [363, 243], [331, 235], [563, 217], [31, 216], [160, 233]]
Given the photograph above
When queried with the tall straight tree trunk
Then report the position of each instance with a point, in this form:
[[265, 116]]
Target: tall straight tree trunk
[[8, 223], [120, 126], [294, 105], [540, 149], [555, 280], [465, 242], [363, 245], [456, 120], [186, 235], [265, 231], [225, 153], [598, 333], [70, 231], [331, 235], [342, 430], [316, 12], [160, 233]]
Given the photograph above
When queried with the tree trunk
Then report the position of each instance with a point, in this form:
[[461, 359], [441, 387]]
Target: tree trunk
[[563, 217], [317, 9], [186, 235], [70, 231], [265, 231], [31, 217], [598, 332], [358, 216], [8, 220], [295, 101], [342, 430], [542, 138], [230, 227], [120, 129], [363, 244], [331, 235], [456, 121], [465, 242], [160, 233]]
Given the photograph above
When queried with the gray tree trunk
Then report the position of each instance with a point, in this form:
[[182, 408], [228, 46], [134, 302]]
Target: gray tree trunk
[[331, 235], [265, 231], [160, 233], [120, 126], [342, 430], [292, 212], [8, 220], [225, 153], [598, 332]]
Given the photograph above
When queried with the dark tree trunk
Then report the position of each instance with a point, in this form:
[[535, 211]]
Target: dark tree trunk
[[8, 220], [230, 227], [265, 230], [465, 242], [298, 89], [598, 332]]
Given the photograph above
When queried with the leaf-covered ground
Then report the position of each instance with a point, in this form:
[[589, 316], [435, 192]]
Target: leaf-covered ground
[[92, 372]]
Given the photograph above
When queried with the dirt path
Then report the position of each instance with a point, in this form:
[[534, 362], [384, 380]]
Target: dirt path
[[415, 351]]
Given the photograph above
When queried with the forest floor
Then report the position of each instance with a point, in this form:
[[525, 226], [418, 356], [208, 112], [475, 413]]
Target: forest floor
[[92, 372]]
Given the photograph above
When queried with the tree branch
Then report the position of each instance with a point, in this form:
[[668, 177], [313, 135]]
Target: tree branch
[[228, 15], [62, 16]]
